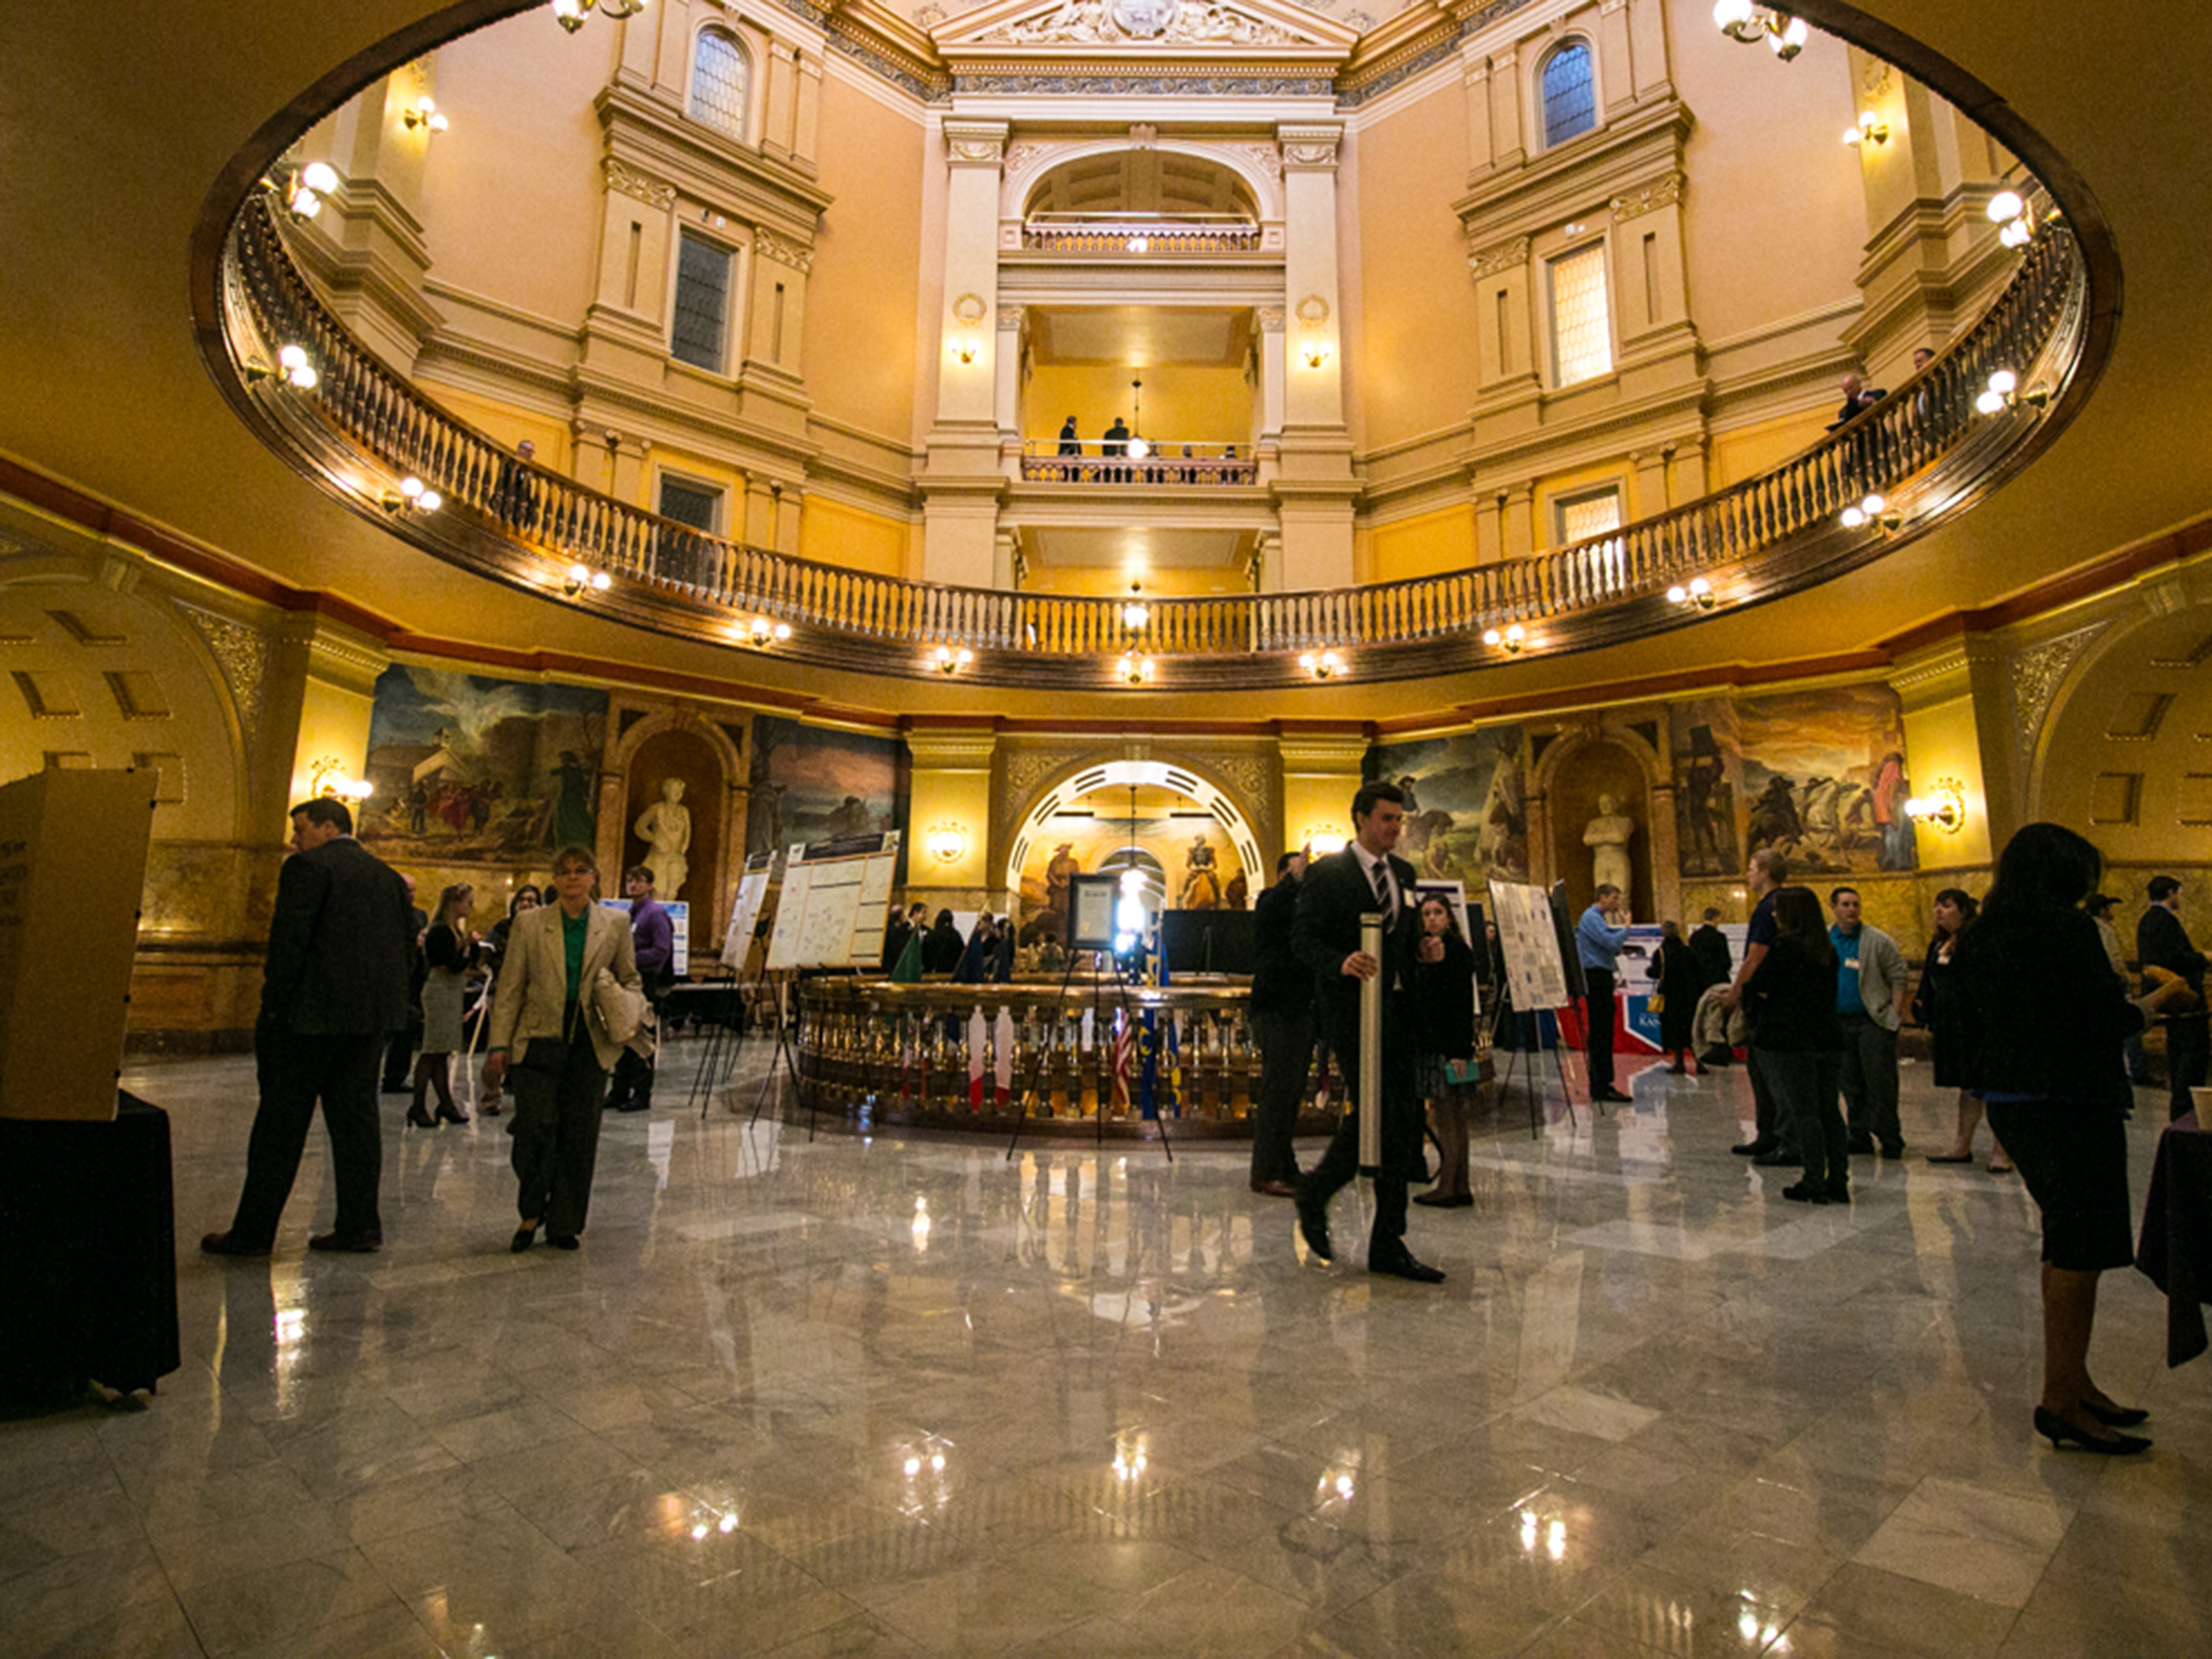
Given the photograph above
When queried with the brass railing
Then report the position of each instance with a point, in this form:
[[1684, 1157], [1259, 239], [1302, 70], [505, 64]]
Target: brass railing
[[905, 1053], [1925, 446]]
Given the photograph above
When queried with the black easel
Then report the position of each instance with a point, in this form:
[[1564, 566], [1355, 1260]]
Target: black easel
[[784, 1057], [725, 1044], [1532, 1035]]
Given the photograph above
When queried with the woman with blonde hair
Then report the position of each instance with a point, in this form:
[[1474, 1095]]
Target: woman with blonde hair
[[448, 951]]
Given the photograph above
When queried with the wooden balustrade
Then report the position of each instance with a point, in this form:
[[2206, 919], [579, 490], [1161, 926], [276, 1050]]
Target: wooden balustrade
[[1774, 532]]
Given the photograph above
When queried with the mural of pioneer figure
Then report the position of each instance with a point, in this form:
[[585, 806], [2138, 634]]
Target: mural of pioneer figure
[[471, 768], [1202, 879], [1467, 817]]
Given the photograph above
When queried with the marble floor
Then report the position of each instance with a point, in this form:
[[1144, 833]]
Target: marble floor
[[898, 1397]]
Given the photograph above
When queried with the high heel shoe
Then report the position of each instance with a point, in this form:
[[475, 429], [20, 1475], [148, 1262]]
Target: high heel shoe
[[2061, 1433], [419, 1118], [2116, 1417], [449, 1114]]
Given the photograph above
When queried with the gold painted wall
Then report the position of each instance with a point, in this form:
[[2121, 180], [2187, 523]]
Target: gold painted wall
[[1423, 546], [511, 192], [830, 532], [1171, 582], [1775, 217], [1416, 359], [1748, 451], [1182, 405], [858, 358]]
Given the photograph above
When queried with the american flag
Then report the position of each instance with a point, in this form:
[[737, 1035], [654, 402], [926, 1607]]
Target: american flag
[[1125, 1044]]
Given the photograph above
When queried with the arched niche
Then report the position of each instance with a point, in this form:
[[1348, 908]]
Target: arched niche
[[1574, 770], [1231, 818], [1111, 175], [699, 754]]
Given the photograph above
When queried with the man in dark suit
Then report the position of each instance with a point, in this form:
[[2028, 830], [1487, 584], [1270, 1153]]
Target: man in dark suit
[[2162, 942], [335, 985], [1281, 1008], [1365, 877]]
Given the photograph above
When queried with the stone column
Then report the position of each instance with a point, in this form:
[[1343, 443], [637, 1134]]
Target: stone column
[[1006, 388], [964, 477], [1270, 423], [1313, 486]]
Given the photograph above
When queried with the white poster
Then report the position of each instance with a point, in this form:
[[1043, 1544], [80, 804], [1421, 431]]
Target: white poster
[[1535, 976], [790, 916], [745, 911]]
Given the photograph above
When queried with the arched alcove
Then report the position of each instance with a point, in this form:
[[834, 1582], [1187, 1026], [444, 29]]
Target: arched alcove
[[1574, 775]]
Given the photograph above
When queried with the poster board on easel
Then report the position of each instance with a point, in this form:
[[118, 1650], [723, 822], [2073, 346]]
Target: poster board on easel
[[1535, 977], [835, 901], [746, 909]]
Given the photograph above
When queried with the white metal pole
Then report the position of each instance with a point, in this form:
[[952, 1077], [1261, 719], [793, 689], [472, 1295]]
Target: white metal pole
[[1370, 1095]]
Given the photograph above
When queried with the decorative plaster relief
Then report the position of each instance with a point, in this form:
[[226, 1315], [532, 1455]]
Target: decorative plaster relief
[[1271, 318], [1126, 23], [2036, 672], [770, 245], [1503, 255], [1663, 192], [1311, 147], [1019, 158], [624, 181], [242, 654], [1268, 158]]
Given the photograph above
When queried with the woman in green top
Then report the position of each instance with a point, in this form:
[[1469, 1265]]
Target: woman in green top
[[544, 1027]]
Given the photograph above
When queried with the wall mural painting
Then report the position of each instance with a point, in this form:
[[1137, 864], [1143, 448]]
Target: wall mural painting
[[1708, 787], [1467, 815], [1823, 781], [809, 784], [1190, 863], [468, 768]]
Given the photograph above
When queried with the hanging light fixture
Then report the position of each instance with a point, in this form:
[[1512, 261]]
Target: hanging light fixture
[[1135, 668], [571, 14], [1740, 20], [1136, 613]]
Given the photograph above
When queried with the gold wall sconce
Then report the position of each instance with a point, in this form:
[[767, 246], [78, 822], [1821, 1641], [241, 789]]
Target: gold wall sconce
[[1944, 807]]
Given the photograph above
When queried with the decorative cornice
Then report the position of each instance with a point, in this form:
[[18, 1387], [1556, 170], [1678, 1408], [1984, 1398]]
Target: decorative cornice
[[976, 143], [1663, 192], [1143, 81], [2036, 672], [627, 181], [1123, 24], [1309, 149]]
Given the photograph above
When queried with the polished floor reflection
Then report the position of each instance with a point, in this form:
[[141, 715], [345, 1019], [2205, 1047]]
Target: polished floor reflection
[[878, 1396]]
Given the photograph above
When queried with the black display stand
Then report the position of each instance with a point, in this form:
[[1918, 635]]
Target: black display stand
[[88, 1254]]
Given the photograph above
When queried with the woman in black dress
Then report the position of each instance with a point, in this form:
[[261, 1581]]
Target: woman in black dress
[[2041, 1017], [1792, 998], [942, 950], [1443, 991], [1935, 1006], [1681, 980]]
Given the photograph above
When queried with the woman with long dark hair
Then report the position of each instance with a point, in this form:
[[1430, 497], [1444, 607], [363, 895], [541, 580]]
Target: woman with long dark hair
[[1934, 1005], [1680, 979], [942, 950], [1792, 997], [2041, 1018], [1443, 991]]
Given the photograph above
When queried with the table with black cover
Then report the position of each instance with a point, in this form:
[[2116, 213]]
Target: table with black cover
[[88, 1254], [2175, 1248]]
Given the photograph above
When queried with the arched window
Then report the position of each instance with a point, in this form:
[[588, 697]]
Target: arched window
[[1570, 95], [721, 77]]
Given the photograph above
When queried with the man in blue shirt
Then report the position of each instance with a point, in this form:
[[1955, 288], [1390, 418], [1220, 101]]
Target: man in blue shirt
[[1870, 997], [1599, 936]]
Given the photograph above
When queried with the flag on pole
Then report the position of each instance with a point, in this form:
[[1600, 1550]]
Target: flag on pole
[[1125, 1038]]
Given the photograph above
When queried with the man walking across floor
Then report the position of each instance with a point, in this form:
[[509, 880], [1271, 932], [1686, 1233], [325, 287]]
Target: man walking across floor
[[2162, 942], [653, 938], [1769, 1142], [1336, 892], [334, 987], [1870, 998], [1599, 936], [1282, 1013]]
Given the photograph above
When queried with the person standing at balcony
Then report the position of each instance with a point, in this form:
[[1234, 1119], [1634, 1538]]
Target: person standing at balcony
[[1364, 876], [1282, 1013], [1069, 443], [2162, 942], [515, 494], [1114, 448]]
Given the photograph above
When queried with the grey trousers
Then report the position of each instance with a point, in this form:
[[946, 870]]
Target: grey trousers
[[1870, 1082]]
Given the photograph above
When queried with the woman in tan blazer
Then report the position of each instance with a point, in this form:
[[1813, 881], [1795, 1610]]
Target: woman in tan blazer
[[544, 1033]]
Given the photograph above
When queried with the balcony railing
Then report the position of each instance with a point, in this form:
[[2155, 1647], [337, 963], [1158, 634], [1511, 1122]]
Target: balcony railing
[[1104, 461], [1925, 447], [1141, 232]]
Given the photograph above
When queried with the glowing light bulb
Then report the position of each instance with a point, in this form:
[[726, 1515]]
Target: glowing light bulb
[[2005, 205]]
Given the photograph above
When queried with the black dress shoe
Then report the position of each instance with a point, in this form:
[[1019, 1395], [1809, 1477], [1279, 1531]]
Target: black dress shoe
[[2061, 1434], [1892, 1153], [232, 1244], [347, 1243], [1799, 1192], [1313, 1225], [524, 1237], [563, 1240], [1400, 1264], [1445, 1201], [1753, 1148], [1778, 1156], [1615, 1097], [639, 1104]]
